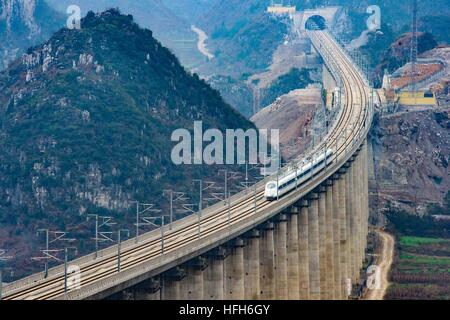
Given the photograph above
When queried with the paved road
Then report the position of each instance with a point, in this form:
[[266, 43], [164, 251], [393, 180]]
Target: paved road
[[384, 262]]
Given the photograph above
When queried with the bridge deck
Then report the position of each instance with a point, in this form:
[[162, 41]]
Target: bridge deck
[[99, 277]]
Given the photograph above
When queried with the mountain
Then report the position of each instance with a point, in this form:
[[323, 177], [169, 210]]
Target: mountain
[[400, 51], [190, 10], [172, 30], [411, 153], [24, 23], [85, 127], [243, 37]]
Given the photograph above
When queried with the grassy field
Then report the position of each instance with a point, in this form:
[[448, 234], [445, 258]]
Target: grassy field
[[421, 269], [418, 241]]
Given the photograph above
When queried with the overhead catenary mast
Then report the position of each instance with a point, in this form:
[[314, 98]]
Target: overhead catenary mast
[[414, 44]]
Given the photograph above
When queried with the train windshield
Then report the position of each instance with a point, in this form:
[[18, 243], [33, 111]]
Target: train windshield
[[271, 185]]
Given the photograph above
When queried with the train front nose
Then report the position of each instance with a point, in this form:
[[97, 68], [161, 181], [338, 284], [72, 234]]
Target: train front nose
[[271, 191]]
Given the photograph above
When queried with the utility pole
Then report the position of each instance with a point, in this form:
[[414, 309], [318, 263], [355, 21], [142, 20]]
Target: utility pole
[[148, 208], [45, 231], [226, 183], [50, 254], [119, 245], [175, 198], [66, 258], [101, 221], [278, 187], [254, 198], [228, 175], [170, 193], [414, 44], [229, 211], [200, 204]]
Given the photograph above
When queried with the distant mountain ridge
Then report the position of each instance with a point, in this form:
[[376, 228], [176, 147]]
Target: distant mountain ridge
[[172, 30], [85, 127], [24, 23]]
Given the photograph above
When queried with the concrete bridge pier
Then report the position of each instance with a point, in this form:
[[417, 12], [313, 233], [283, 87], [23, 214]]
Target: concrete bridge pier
[[343, 234], [293, 255], [350, 203], [322, 243], [359, 205], [336, 238], [303, 251], [234, 271], [171, 284], [329, 268], [267, 262], [214, 275], [314, 247], [365, 211], [252, 289], [192, 284], [148, 290], [280, 254], [365, 215]]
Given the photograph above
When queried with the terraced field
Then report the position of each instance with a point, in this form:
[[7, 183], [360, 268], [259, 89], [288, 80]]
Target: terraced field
[[421, 269]]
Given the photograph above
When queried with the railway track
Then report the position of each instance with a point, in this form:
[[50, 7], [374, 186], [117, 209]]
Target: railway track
[[349, 128]]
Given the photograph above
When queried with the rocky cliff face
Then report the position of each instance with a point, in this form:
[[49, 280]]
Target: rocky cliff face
[[85, 127], [293, 114], [24, 23], [412, 154]]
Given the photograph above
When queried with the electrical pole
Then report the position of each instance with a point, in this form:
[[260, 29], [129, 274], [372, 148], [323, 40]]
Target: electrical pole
[[137, 221], [66, 259], [414, 44], [45, 231], [254, 197], [200, 204], [101, 221], [50, 254], [148, 207], [119, 245], [229, 211], [170, 193]]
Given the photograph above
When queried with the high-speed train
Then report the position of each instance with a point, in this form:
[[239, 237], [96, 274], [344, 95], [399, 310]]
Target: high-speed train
[[287, 183]]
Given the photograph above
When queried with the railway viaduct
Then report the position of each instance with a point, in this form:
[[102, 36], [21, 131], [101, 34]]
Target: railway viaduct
[[309, 244]]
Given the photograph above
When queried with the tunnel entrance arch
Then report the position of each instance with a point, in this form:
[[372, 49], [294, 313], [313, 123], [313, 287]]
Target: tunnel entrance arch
[[316, 22]]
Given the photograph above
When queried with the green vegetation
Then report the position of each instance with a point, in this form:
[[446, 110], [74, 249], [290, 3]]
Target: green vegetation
[[406, 224], [428, 260], [437, 209], [93, 138], [294, 79], [421, 268], [418, 241], [438, 26]]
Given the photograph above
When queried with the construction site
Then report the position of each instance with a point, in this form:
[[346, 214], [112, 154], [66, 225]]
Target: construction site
[[423, 81]]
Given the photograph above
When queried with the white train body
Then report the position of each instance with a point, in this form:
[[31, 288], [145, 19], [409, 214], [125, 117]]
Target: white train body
[[288, 182]]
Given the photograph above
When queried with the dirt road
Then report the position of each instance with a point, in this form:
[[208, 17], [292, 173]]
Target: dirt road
[[201, 45], [384, 261]]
